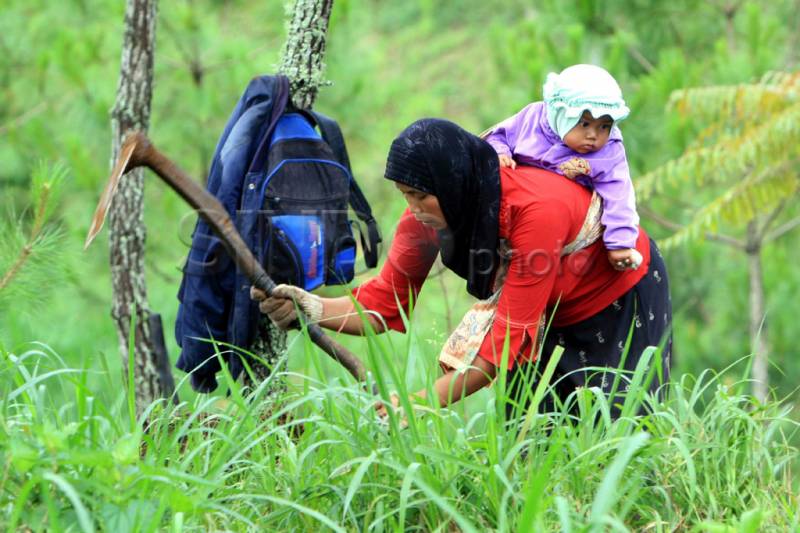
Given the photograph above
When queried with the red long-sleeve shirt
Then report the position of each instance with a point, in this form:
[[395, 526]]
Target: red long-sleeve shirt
[[540, 212]]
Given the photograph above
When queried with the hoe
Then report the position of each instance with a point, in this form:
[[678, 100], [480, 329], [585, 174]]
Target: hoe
[[137, 151]]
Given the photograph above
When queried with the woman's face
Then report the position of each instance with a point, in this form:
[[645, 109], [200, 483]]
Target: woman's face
[[425, 207]]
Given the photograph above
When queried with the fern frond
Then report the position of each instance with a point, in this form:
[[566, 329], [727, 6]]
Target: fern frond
[[741, 203], [730, 158], [735, 104], [788, 82]]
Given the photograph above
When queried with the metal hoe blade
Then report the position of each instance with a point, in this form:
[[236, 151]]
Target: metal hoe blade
[[108, 193]]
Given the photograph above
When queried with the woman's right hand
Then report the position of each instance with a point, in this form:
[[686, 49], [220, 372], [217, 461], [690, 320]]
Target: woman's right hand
[[281, 305]]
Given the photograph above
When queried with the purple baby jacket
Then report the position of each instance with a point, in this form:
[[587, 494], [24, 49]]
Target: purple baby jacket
[[529, 139]]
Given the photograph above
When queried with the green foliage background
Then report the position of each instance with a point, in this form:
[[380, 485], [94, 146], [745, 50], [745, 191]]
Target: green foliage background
[[389, 63]]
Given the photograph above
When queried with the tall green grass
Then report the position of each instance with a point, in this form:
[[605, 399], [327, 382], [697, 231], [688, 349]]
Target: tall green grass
[[708, 458]]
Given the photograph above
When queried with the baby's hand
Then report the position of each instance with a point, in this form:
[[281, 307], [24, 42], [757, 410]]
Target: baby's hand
[[575, 167], [628, 258], [507, 161]]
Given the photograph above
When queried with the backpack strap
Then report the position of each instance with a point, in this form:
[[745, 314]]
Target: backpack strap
[[333, 136], [280, 99]]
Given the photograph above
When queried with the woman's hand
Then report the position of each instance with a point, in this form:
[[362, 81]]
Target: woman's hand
[[380, 405], [281, 306], [507, 161], [383, 412], [628, 258]]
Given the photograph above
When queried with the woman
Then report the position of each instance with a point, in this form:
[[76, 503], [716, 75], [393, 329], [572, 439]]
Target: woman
[[463, 206]]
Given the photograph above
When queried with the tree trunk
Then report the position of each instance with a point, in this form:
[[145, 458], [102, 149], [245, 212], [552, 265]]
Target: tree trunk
[[303, 54], [794, 40], [127, 236], [758, 330], [302, 63]]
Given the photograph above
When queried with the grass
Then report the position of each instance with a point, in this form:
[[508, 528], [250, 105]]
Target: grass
[[708, 458]]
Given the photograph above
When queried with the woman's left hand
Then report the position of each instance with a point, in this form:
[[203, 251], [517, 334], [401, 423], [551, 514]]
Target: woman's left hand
[[380, 405], [383, 411]]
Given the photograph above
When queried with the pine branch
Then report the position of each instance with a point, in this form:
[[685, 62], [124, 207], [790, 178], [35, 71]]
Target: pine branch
[[23, 118], [17, 266], [771, 219], [34, 262], [781, 230], [641, 59], [674, 226], [29, 246]]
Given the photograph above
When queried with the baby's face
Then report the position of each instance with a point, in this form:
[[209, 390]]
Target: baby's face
[[589, 134]]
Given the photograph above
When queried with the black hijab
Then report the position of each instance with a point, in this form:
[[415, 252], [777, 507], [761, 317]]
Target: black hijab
[[440, 158]]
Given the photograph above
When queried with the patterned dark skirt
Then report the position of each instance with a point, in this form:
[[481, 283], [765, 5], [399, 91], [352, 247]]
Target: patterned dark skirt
[[644, 314]]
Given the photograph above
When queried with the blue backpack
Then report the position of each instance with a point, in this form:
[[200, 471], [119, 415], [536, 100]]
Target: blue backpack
[[304, 235], [287, 189]]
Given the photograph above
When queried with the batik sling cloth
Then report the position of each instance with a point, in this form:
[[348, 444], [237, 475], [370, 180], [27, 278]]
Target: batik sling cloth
[[463, 344]]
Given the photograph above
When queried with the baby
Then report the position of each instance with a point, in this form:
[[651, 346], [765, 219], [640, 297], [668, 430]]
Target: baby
[[573, 132]]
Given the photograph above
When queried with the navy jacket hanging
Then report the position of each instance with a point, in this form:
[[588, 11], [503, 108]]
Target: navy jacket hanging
[[214, 297]]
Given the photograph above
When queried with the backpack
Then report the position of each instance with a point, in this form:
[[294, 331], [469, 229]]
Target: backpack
[[304, 235], [287, 189]]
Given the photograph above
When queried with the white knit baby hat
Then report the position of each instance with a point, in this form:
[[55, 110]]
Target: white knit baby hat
[[582, 88]]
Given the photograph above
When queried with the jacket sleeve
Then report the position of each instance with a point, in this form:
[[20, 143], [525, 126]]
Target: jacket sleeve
[[205, 304], [208, 285], [613, 184], [503, 137], [411, 255]]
